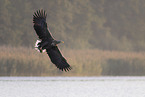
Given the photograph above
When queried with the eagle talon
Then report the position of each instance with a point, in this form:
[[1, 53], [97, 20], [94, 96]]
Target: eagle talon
[[40, 49]]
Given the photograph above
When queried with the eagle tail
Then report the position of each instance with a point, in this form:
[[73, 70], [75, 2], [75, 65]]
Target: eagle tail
[[38, 48]]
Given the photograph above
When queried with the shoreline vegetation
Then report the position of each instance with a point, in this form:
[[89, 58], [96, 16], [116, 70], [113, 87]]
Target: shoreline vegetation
[[23, 61]]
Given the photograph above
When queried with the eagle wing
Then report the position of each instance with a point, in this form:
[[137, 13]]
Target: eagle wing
[[40, 25], [57, 59]]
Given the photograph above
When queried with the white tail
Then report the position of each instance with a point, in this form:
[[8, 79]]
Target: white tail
[[36, 46]]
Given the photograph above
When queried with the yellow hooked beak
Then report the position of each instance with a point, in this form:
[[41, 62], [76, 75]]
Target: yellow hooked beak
[[62, 41]]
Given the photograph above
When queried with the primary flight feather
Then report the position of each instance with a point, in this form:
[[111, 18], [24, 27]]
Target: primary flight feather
[[47, 42]]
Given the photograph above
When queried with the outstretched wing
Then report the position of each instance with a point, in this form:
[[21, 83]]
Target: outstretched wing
[[40, 25], [58, 59]]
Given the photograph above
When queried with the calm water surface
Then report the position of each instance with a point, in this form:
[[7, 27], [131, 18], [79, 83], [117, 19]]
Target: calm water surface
[[72, 86]]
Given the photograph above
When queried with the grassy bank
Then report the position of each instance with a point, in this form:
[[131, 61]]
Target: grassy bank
[[23, 61]]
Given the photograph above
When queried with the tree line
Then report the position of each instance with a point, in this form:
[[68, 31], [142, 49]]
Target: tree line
[[102, 24]]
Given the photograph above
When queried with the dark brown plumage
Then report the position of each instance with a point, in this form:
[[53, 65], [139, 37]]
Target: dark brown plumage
[[47, 42]]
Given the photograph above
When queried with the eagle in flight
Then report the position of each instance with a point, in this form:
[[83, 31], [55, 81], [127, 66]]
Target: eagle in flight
[[47, 42]]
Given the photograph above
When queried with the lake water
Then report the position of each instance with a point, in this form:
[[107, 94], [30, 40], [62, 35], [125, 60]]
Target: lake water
[[72, 86]]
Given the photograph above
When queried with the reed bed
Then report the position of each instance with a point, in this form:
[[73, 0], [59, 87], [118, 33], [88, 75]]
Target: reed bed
[[22, 61]]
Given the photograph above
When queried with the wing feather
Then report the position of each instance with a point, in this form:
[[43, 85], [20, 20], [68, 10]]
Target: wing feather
[[58, 59], [40, 25]]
